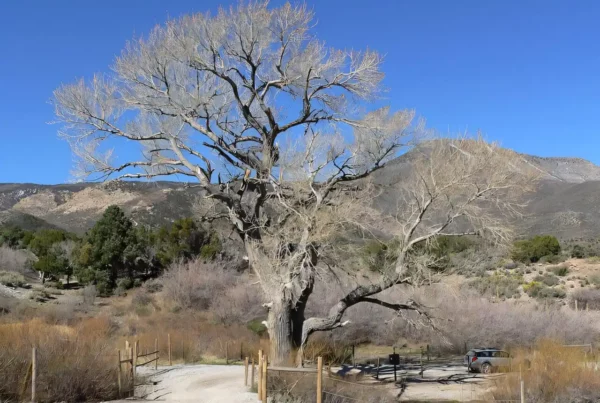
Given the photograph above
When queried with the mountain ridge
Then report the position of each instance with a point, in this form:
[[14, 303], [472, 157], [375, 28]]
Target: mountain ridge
[[565, 204]]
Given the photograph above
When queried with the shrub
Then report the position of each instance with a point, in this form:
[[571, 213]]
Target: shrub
[[532, 250], [448, 245], [54, 284], [578, 252], [14, 260], [11, 279], [125, 283], [547, 279], [593, 279], [256, 326], [538, 289], [549, 292], [153, 286], [141, 299], [40, 296], [586, 299], [89, 294], [500, 285], [239, 302], [533, 288], [104, 289], [479, 322], [75, 364], [556, 374], [195, 284], [212, 248], [560, 270]]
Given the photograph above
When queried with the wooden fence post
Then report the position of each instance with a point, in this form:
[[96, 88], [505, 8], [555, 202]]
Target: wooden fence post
[[169, 348], [156, 354], [33, 373], [522, 391], [320, 380], [242, 351], [378, 365], [134, 362], [226, 353], [119, 374], [246, 372], [183, 351], [260, 363], [264, 379], [252, 376], [130, 358], [353, 359]]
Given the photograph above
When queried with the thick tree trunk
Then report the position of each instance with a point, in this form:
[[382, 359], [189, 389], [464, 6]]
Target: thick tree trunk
[[279, 325]]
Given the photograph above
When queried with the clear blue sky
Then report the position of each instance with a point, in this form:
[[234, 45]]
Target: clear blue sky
[[527, 73]]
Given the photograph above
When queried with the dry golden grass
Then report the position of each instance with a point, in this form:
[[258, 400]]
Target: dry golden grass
[[194, 338], [78, 357], [74, 363], [552, 373], [333, 353]]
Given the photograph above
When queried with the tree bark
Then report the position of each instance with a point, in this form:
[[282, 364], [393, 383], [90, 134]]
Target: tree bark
[[279, 326]]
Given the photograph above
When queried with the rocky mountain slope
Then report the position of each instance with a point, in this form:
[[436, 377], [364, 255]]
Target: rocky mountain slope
[[76, 207], [566, 204]]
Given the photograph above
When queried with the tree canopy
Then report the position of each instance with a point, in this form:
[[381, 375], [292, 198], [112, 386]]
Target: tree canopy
[[277, 129]]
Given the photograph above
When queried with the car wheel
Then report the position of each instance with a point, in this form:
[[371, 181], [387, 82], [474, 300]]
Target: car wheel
[[486, 368]]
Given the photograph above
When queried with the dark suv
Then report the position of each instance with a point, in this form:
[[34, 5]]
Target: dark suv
[[486, 360]]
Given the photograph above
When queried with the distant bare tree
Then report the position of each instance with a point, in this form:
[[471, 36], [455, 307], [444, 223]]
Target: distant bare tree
[[17, 260], [274, 126]]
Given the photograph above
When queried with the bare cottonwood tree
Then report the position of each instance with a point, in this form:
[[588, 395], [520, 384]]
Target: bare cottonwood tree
[[274, 126]]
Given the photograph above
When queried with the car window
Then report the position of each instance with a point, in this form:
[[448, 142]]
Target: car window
[[483, 354]]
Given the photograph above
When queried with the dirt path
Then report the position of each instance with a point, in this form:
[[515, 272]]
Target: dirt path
[[225, 384], [195, 383]]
